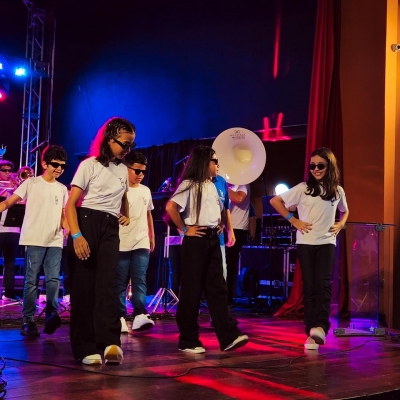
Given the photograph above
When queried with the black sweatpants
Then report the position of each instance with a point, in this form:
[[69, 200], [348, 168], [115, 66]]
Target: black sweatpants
[[94, 316], [317, 263], [201, 268]]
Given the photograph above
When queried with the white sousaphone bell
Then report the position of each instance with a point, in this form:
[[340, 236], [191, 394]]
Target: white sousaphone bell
[[241, 155]]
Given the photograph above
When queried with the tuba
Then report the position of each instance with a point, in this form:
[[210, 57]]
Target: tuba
[[241, 155]]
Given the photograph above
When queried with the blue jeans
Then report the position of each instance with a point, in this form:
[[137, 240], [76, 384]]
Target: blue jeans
[[132, 265], [50, 258]]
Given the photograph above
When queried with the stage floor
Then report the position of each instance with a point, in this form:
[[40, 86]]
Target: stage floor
[[273, 365]]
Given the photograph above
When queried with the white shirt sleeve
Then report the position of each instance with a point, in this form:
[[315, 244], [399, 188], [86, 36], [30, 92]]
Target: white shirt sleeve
[[150, 205], [292, 197], [342, 205], [23, 189], [181, 198], [82, 175]]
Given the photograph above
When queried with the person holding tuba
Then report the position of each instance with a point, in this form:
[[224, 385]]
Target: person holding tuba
[[9, 236]]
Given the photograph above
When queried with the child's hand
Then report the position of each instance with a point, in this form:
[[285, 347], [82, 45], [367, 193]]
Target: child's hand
[[152, 244], [336, 228], [81, 247], [303, 227], [124, 221]]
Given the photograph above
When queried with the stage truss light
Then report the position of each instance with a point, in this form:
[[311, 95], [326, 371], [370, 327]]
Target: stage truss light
[[281, 188], [20, 71], [4, 90]]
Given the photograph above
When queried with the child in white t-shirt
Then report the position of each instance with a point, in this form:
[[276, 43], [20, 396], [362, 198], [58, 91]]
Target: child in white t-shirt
[[96, 206], [316, 201], [42, 234], [136, 243], [198, 212]]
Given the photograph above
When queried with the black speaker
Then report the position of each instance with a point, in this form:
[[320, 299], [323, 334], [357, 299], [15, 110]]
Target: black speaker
[[270, 269]]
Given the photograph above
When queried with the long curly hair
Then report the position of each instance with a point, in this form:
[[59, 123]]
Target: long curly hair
[[330, 181], [111, 129], [197, 171]]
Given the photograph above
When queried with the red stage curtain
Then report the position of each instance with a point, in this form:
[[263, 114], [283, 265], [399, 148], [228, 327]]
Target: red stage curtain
[[324, 118]]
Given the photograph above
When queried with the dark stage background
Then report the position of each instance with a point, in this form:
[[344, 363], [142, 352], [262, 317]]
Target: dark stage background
[[177, 69]]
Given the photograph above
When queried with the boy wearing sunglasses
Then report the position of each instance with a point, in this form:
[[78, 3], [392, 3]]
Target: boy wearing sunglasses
[[136, 244], [42, 234]]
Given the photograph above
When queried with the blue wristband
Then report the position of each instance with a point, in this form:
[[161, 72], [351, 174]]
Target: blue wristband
[[290, 215], [76, 235], [184, 230]]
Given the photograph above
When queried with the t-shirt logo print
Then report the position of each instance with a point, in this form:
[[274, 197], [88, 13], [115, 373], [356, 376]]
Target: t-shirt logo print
[[56, 199], [122, 182], [144, 201]]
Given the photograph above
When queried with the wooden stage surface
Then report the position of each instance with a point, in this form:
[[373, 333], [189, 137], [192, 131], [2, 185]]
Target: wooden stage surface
[[273, 365]]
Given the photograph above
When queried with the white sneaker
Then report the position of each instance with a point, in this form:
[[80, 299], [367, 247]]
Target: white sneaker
[[310, 344], [238, 342], [42, 298], [318, 334], [124, 326], [142, 322], [194, 350], [113, 355], [66, 299], [94, 359]]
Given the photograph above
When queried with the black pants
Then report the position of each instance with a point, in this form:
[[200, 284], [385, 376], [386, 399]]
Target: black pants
[[9, 247], [201, 268], [316, 266], [94, 316], [232, 261]]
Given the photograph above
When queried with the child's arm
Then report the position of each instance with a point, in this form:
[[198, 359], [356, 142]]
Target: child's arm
[[279, 205], [64, 223], [150, 225], [6, 204], [124, 216], [338, 226], [81, 246]]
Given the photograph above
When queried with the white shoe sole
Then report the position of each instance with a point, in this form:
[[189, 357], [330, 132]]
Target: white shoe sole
[[318, 336], [239, 342], [311, 346], [94, 359], [197, 350]]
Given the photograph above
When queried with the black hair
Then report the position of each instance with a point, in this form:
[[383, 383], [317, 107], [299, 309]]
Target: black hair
[[54, 152], [135, 157], [6, 163], [330, 181], [197, 170], [111, 129]]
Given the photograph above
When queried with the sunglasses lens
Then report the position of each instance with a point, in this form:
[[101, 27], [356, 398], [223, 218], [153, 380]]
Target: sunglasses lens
[[319, 166], [139, 171]]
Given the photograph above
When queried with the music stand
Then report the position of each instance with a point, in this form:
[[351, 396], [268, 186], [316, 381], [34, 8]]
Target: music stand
[[164, 290], [14, 218]]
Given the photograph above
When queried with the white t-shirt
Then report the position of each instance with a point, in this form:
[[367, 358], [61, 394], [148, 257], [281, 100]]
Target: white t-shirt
[[103, 187], [45, 202], [211, 205], [136, 234], [6, 194], [320, 213], [240, 212]]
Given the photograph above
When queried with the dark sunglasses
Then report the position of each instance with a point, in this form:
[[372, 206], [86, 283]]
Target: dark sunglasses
[[138, 171], [215, 160], [125, 146], [320, 166], [55, 165], [6, 170]]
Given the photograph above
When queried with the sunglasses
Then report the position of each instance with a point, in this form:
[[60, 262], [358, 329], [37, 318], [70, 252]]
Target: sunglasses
[[6, 170], [138, 171], [125, 146], [319, 166], [55, 165], [215, 160]]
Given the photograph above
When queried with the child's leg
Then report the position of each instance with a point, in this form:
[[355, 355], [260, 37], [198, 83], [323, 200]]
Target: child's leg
[[307, 257], [52, 262], [122, 280], [217, 296], [325, 260], [34, 259], [138, 268], [194, 257]]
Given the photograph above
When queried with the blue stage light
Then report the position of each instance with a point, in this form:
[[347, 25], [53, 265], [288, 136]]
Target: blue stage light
[[20, 72]]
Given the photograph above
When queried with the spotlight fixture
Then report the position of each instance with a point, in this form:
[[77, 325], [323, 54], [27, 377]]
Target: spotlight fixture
[[4, 90], [281, 188], [20, 71]]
